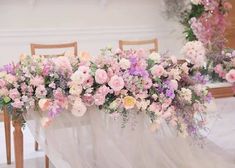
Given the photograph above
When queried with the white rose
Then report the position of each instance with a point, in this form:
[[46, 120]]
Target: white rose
[[125, 63], [156, 57]]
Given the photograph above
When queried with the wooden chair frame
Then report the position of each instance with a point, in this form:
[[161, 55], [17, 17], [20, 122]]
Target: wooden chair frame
[[123, 43], [35, 46], [7, 127]]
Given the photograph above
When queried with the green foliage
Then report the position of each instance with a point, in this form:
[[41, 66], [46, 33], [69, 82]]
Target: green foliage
[[196, 11]]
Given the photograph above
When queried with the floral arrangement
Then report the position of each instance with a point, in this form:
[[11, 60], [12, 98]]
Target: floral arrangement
[[118, 83], [206, 22]]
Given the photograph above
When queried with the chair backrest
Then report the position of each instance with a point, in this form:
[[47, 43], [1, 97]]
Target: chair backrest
[[35, 47], [153, 42]]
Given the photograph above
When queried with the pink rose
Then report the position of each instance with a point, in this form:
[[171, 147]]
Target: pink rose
[[103, 90], [218, 68], [99, 99], [13, 94], [157, 70], [101, 76], [230, 76], [116, 83]]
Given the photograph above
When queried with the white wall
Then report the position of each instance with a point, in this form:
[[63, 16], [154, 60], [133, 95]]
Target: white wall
[[93, 23]]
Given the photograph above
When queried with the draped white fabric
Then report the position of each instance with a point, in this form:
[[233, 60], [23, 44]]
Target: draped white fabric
[[98, 141]]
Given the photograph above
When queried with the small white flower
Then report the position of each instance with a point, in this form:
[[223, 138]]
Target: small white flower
[[196, 2], [125, 63]]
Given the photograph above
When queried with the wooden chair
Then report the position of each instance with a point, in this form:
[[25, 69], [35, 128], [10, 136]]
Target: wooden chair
[[7, 126], [35, 47], [154, 42]]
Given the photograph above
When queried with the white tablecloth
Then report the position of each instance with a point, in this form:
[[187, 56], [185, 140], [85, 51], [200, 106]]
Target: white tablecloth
[[97, 141]]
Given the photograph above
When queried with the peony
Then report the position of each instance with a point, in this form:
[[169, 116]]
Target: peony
[[157, 70], [230, 76], [79, 108], [156, 57], [44, 104], [116, 83], [101, 76], [129, 102], [125, 63]]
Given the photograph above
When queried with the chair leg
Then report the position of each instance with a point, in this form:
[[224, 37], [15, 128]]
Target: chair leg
[[36, 146], [46, 162], [7, 125]]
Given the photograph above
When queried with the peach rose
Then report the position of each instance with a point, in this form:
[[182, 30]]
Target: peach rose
[[129, 102], [157, 70]]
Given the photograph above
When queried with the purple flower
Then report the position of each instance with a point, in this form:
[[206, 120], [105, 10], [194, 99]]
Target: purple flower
[[9, 68], [170, 93], [54, 111], [199, 78]]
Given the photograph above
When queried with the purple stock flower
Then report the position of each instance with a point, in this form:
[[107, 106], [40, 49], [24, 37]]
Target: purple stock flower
[[199, 78], [9, 68], [170, 93]]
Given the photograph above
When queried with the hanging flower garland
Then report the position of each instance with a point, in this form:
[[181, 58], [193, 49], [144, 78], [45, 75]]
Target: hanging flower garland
[[206, 22]]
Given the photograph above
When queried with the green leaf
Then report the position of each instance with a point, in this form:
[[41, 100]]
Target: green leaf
[[6, 99]]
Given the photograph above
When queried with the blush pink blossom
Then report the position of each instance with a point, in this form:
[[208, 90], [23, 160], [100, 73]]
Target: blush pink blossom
[[230, 76], [88, 99], [103, 90], [116, 83], [17, 103], [37, 81], [14, 94], [157, 70], [101, 76], [99, 99]]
